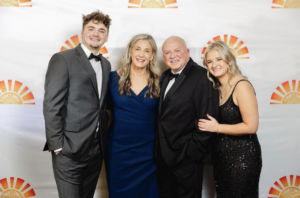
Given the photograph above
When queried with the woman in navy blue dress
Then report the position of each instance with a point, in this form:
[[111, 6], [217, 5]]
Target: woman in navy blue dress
[[134, 91]]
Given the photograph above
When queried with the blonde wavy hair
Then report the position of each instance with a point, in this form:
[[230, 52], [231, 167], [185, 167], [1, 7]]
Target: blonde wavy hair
[[153, 69], [227, 55]]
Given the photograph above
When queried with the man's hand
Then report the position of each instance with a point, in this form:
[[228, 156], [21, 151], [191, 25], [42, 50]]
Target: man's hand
[[56, 153]]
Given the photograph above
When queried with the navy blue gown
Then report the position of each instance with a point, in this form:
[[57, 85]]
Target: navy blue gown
[[131, 171]]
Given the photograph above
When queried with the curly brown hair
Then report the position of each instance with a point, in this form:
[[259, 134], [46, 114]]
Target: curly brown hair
[[97, 17]]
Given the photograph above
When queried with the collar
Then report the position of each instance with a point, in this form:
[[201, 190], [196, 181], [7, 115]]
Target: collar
[[87, 51]]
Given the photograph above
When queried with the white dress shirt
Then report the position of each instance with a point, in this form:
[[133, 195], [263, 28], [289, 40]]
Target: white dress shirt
[[171, 82], [97, 68]]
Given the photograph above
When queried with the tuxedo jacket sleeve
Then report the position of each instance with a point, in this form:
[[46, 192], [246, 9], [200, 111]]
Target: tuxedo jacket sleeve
[[206, 100]]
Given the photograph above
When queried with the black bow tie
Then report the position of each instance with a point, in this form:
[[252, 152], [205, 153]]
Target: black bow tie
[[171, 76], [97, 57]]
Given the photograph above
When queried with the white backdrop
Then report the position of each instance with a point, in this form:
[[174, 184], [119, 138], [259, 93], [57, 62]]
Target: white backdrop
[[32, 33]]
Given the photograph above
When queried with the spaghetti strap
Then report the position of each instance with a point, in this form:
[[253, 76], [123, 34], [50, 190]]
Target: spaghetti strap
[[240, 81]]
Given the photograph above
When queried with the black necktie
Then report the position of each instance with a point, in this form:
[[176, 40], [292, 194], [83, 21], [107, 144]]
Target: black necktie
[[97, 57], [171, 76]]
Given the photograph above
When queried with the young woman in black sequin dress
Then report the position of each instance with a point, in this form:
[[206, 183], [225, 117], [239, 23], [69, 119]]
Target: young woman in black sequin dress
[[237, 152]]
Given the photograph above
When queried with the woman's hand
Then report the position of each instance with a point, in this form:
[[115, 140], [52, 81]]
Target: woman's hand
[[210, 125]]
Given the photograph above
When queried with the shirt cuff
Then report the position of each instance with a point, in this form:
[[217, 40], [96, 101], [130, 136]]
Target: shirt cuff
[[58, 150]]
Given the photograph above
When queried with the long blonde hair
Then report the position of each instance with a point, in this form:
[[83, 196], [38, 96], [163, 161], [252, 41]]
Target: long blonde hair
[[227, 55], [153, 69]]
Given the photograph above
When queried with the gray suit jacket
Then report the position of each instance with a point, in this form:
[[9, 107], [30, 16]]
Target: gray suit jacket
[[72, 107]]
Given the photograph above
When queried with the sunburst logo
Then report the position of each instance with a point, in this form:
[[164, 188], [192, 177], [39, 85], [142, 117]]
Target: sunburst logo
[[237, 47], [15, 188], [152, 4], [75, 40], [286, 187], [287, 94], [15, 3], [286, 4], [14, 92]]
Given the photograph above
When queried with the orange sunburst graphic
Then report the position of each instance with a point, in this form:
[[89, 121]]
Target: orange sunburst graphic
[[75, 39], [286, 4], [14, 92], [286, 187], [15, 188], [152, 4], [288, 95], [237, 47], [15, 3]]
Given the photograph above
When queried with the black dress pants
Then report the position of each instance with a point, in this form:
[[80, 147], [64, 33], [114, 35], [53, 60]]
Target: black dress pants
[[76, 179], [183, 180]]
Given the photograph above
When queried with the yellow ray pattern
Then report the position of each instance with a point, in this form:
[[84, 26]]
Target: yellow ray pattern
[[278, 185], [14, 191], [2, 86], [170, 2], [76, 40], [15, 3], [232, 41], [17, 86], [15, 94], [286, 4], [137, 2], [288, 95], [286, 187], [291, 179], [19, 183], [297, 182], [12, 179], [9, 3], [9, 85], [24, 3], [152, 4], [239, 50]]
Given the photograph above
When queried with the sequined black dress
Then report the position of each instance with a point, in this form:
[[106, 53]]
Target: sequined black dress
[[237, 159]]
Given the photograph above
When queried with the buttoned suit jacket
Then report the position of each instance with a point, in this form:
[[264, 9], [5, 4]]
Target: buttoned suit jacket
[[72, 108], [190, 98]]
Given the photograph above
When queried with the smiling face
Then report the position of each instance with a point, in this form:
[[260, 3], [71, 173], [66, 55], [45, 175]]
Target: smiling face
[[94, 35], [215, 64], [141, 54], [175, 53]]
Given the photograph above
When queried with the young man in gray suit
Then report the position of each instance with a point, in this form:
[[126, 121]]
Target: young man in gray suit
[[74, 110]]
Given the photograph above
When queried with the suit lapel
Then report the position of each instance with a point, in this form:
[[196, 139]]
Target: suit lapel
[[105, 75], [180, 79], [81, 57], [174, 87], [163, 89]]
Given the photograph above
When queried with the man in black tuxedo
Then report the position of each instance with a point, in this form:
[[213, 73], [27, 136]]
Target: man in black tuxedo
[[186, 96], [74, 110]]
